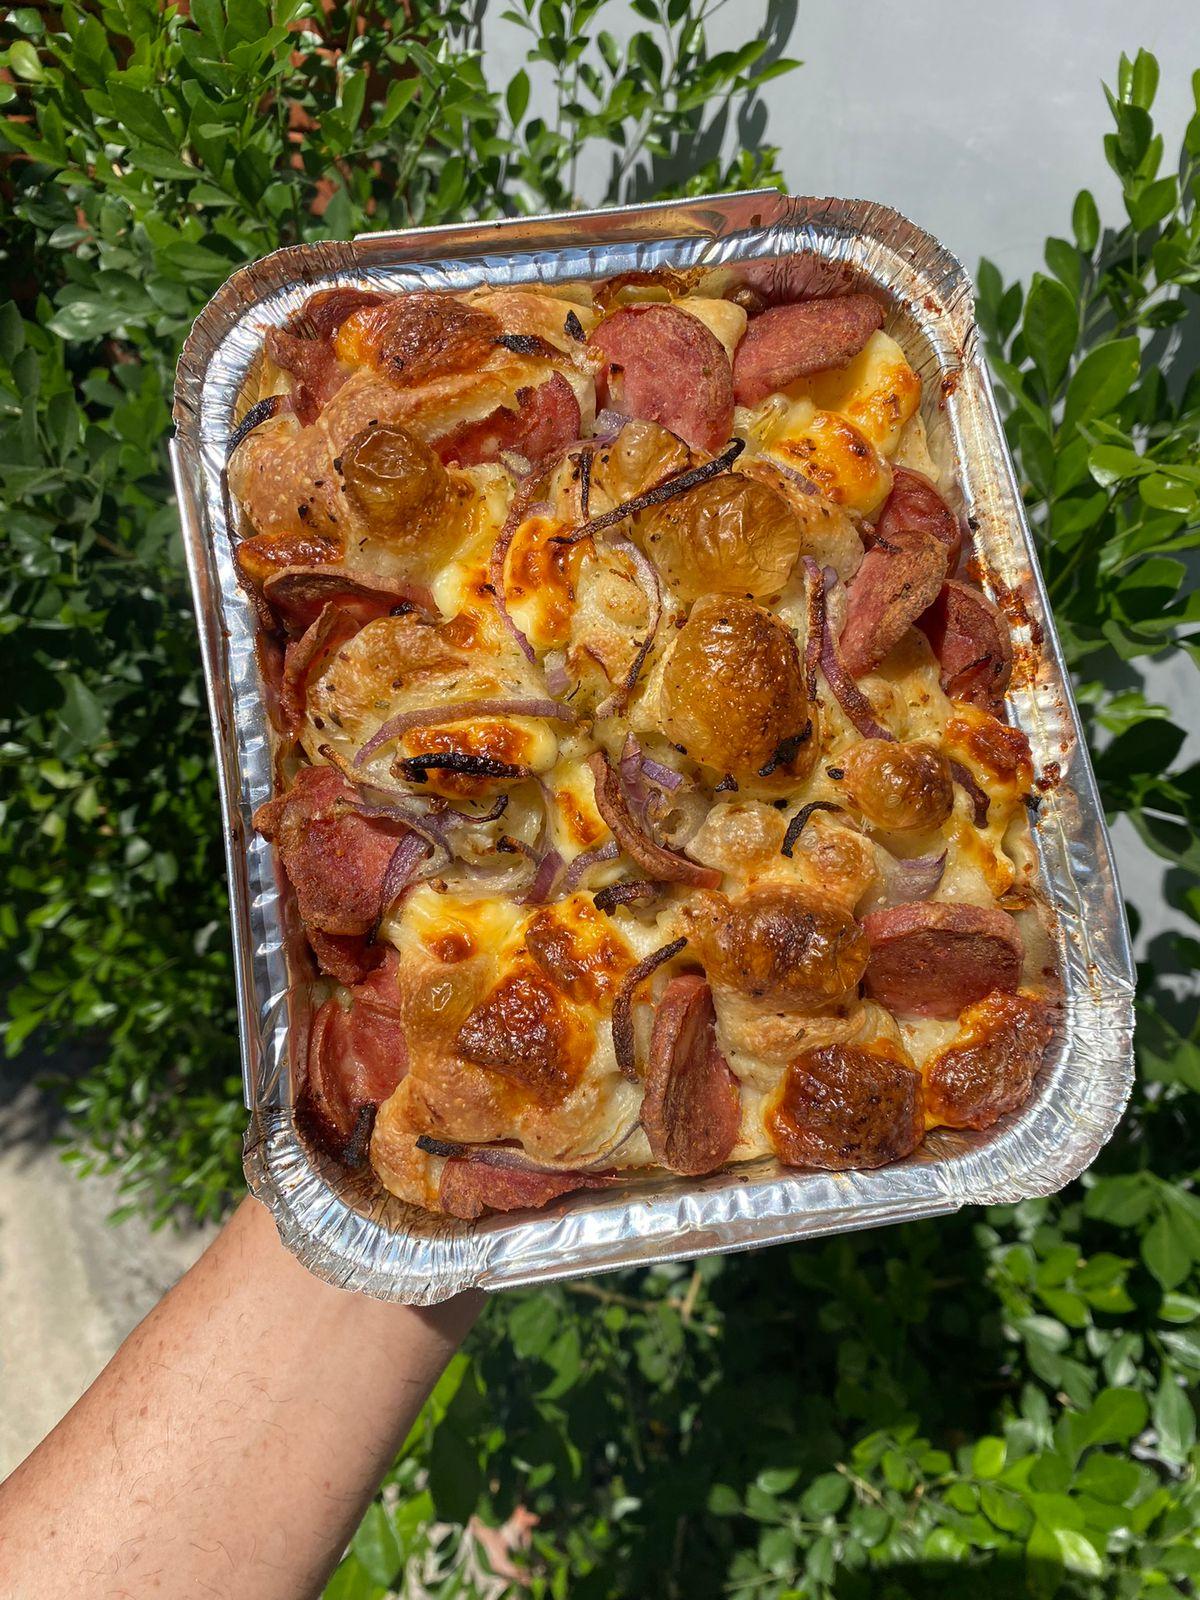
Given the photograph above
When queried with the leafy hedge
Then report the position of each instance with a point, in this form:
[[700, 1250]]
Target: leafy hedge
[[992, 1404]]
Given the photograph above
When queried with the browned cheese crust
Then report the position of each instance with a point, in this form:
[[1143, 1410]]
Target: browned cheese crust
[[644, 785]]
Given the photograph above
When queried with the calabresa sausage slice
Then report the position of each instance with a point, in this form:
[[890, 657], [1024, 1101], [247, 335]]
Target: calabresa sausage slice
[[988, 1068], [900, 578], [547, 418], [335, 859], [789, 342], [843, 1107], [662, 365], [932, 960], [691, 1111], [970, 638], [915, 503], [469, 1188], [356, 1057]]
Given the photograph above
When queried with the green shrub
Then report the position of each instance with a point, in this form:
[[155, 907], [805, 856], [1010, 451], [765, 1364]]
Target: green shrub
[[988, 1405], [148, 155]]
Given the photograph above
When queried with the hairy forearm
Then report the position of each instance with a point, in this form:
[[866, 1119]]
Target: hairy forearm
[[230, 1446]]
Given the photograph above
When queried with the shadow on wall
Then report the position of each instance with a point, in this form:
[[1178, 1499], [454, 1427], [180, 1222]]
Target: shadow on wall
[[701, 141]]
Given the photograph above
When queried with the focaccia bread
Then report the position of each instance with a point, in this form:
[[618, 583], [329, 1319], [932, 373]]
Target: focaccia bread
[[644, 786]]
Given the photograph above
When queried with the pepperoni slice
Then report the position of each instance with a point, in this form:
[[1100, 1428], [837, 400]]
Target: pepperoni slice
[[300, 594], [789, 342], [665, 366], [335, 859], [899, 578], [348, 957], [314, 367], [548, 418], [931, 959], [356, 1057], [843, 1107], [469, 1188], [971, 640], [915, 503], [988, 1068], [307, 657], [663, 865], [691, 1110]]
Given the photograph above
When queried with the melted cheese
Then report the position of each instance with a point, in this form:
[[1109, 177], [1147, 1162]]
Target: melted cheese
[[721, 317]]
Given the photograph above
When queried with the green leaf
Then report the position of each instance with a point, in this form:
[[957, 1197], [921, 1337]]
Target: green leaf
[[1116, 1416], [1101, 381], [988, 1458], [1165, 1252], [1085, 222], [1174, 1419], [376, 1547], [1050, 326]]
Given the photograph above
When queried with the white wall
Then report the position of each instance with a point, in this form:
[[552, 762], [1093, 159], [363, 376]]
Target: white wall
[[978, 119]]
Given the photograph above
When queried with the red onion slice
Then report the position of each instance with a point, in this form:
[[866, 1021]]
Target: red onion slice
[[912, 878], [406, 859], [622, 1011], [462, 711], [586, 860], [665, 777], [548, 869], [510, 1155], [979, 800], [647, 575], [849, 696]]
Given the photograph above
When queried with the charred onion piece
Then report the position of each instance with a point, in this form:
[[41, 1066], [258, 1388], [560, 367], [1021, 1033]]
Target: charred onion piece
[[622, 1011], [677, 483], [621, 894], [261, 411], [417, 768], [786, 750], [526, 344], [796, 826]]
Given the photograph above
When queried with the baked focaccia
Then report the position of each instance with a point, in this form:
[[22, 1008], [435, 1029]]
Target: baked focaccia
[[644, 786]]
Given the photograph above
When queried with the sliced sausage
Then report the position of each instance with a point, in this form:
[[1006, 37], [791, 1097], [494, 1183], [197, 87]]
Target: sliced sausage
[[665, 366], [335, 859], [970, 638], [348, 957], [547, 419], [356, 1057], [307, 657], [899, 578], [691, 1111], [915, 503], [932, 960], [661, 864], [299, 594], [304, 349], [843, 1107], [988, 1068], [789, 342], [469, 1188], [323, 313]]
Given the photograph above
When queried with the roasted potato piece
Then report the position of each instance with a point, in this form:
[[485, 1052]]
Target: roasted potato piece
[[729, 535], [733, 695], [843, 1107], [781, 945], [403, 493], [899, 786]]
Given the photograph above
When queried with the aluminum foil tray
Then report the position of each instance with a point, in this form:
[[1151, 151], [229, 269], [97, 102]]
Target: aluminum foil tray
[[343, 1226]]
